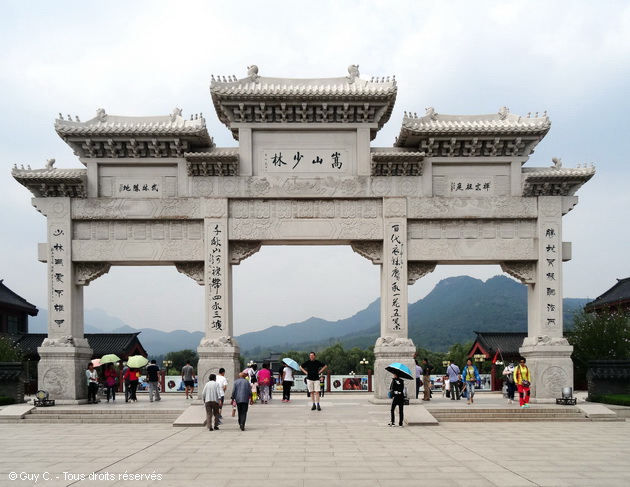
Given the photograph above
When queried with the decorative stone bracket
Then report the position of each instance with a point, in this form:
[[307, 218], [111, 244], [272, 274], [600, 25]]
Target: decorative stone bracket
[[370, 250], [85, 273], [416, 270], [523, 271], [194, 270], [240, 251]]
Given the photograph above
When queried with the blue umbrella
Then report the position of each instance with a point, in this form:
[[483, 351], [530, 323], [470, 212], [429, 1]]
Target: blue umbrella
[[401, 370], [291, 363]]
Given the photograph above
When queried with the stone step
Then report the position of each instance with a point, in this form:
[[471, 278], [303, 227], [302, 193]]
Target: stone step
[[71, 420], [509, 420], [89, 412]]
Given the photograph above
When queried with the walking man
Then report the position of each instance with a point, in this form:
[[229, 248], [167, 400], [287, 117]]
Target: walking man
[[454, 374], [223, 383], [153, 377], [188, 378], [313, 369], [241, 394], [426, 379], [211, 398], [126, 384]]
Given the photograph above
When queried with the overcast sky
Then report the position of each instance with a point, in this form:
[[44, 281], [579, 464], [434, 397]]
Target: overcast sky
[[142, 58]]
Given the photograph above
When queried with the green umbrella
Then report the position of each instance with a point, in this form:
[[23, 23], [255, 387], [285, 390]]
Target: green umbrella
[[136, 361], [110, 358]]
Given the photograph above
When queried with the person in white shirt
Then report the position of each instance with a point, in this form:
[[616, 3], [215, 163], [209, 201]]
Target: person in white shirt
[[223, 384], [211, 397]]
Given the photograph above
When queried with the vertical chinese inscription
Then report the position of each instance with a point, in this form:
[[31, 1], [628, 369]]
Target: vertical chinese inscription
[[395, 278], [551, 275], [60, 277], [215, 262]]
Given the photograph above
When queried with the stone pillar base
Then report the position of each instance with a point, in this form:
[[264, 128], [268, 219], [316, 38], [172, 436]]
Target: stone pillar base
[[387, 354], [61, 372], [551, 369], [212, 358]]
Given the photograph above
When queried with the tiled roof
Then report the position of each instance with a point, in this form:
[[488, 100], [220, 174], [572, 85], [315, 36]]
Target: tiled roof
[[506, 343], [617, 295], [102, 343], [10, 299]]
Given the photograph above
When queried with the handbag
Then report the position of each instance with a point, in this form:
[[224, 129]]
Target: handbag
[[526, 383], [390, 394]]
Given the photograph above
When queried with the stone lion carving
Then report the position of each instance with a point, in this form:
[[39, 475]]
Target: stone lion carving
[[389, 341], [50, 163], [353, 70], [223, 341], [545, 340], [64, 341]]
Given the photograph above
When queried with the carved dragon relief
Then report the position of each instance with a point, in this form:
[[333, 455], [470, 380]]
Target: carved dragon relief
[[372, 251], [86, 272], [194, 270], [416, 270]]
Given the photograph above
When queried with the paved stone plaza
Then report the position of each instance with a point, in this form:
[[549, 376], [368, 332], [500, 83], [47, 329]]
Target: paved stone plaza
[[346, 444]]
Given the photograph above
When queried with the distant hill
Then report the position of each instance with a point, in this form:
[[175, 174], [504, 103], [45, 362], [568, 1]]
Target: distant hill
[[450, 313]]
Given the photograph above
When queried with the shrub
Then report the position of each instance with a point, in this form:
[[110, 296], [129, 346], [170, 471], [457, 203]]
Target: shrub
[[9, 352]]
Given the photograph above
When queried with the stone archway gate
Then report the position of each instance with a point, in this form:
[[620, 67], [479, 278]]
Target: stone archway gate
[[157, 191]]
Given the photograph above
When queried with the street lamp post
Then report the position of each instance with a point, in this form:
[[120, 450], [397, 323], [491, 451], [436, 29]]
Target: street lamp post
[[167, 364], [364, 363]]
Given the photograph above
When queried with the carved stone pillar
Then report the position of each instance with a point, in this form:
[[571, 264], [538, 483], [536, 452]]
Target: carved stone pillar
[[393, 345], [218, 348], [65, 353], [547, 352]]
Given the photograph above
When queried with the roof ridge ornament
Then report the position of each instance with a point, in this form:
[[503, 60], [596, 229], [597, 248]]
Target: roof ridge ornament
[[101, 115], [431, 113], [49, 164], [503, 113], [557, 162], [177, 112], [252, 73], [353, 70]]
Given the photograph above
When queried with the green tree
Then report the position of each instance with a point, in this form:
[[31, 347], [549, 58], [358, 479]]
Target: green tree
[[458, 353], [9, 352], [180, 358], [597, 336]]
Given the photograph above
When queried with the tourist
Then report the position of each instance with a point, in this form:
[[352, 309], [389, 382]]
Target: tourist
[[454, 377], [510, 386], [397, 392], [418, 378], [446, 387], [111, 381], [223, 384], [92, 382], [125, 376], [426, 379], [153, 378], [252, 376], [264, 383], [241, 394], [313, 369], [211, 395], [287, 383], [133, 376], [188, 378], [471, 377], [523, 381]]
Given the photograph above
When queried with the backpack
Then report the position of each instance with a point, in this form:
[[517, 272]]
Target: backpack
[[253, 377]]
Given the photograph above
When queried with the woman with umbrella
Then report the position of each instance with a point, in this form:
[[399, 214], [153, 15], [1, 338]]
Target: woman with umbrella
[[397, 390], [287, 378]]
